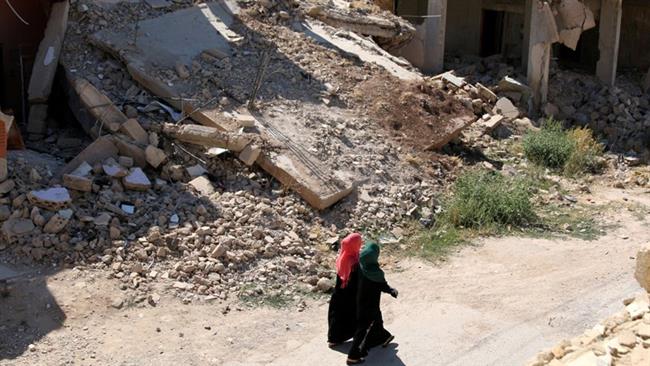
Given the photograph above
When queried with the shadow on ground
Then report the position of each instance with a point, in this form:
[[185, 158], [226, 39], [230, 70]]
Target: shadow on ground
[[28, 312], [380, 356]]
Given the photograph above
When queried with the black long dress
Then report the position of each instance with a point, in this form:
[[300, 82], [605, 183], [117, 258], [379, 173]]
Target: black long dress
[[370, 330], [342, 313]]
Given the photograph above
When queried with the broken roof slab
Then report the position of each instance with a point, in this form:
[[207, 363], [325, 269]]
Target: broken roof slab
[[179, 36]]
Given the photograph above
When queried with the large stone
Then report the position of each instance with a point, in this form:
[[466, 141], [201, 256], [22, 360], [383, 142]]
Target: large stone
[[53, 199], [202, 185], [7, 186], [58, 222], [78, 183], [508, 84], [133, 129], [5, 212], [136, 180], [250, 154], [642, 272], [17, 227], [505, 107], [155, 156], [113, 169]]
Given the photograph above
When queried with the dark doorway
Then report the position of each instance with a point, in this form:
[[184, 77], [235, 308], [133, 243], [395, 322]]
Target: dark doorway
[[585, 57], [492, 32]]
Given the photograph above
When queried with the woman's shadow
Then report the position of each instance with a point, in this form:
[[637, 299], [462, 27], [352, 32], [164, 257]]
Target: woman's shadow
[[384, 356]]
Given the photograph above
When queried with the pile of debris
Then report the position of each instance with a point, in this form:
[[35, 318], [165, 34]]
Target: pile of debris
[[620, 114], [623, 339], [157, 198]]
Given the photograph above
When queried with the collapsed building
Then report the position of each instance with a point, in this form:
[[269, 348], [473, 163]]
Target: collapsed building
[[568, 52]]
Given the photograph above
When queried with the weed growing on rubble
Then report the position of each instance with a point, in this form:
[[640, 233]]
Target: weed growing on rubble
[[575, 151], [483, 199], [550, 147], [586, 156], [480, 203]]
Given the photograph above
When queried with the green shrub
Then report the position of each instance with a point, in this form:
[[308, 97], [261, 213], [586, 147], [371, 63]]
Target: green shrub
[[586, 157], [488, 199], [550, 147]]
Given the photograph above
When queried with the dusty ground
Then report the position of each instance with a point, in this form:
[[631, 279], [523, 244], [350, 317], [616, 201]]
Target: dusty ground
[[496, 303]]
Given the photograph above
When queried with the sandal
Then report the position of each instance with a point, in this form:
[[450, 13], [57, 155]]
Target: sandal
[[355, 361], [387, 342], [332, 344]]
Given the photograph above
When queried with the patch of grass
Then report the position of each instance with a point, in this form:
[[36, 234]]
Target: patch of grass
[[586, 156], [480, 203], [550, 147], [484, 199], [573, 152]]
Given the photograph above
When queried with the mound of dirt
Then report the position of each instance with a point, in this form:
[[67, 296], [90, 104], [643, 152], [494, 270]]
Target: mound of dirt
[[416, 114]]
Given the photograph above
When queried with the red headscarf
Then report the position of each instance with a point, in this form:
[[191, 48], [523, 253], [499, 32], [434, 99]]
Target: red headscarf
[[348, 257]]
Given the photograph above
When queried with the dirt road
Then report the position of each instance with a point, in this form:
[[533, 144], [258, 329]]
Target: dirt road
[[496, 303]]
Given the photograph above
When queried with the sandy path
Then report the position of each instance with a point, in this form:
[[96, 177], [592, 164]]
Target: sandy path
[[497, 303]]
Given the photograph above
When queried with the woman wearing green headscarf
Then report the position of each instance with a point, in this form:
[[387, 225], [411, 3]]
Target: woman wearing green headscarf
[[370, 324]]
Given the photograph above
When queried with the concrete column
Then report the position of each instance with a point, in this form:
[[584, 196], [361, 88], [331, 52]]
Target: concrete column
[[543, 32], [611, 12], [436, 46]]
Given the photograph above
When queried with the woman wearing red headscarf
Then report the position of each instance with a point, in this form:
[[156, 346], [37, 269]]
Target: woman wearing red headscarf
[[342, 315]]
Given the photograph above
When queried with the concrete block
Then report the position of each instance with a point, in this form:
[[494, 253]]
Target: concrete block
[[133, 129], [37, 123]]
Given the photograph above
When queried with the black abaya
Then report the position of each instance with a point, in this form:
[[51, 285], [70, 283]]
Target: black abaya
[[370, 330], [342, 314]]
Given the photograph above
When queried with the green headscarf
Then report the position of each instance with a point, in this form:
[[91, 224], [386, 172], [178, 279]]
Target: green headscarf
[[369, 261]]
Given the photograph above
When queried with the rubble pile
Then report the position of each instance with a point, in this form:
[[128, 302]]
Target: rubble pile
[[623, 339], [620, 114], [144, 228], [154, 208]]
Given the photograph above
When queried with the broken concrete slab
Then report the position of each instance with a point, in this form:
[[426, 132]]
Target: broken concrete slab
[[195, 170], [453, 129], [53, 199], [136, 180], [208, 136], [179, 36], [450, 79], [47, 58], [203, 185], [250, 154], [99, 105], [131, 127], [491, 124], [131, 150], [508, 84], [78, 182], [505, 107], [98, 151], [317, 184], [357, 46], [155, 156], [393, 32]]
